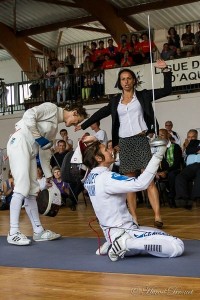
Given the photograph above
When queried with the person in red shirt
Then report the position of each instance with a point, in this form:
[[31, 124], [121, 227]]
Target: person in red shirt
[[100, 52], [145, 47], [111, 49], [135, 49], [127, 60], [108, 63]]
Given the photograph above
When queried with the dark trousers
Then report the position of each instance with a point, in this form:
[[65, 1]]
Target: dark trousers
[[187, 183]]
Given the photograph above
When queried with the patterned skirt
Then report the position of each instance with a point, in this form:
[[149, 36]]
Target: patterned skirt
[[135, 153]]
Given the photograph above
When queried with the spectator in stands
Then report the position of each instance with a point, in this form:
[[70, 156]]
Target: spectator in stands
[[61, 185], [97, 88], [173, 38], [70, 61], [123, 46], [53, 59], [77, 84], [50, 77], [92, 51], [170, 166], [127, 60], [135, 50], [57, 158], [100, 52], [112, 50], [187, 182], [65, 137], [62, 69], [188, 39], [178, 54], [166, 52], [87, 65], [41, 179], [197, 41], [172, 134], [145, 48], [99, 133], [109, 63], [8, 187]]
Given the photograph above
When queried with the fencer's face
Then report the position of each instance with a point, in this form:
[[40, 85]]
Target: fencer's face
[[72, 118], [108, 156], [127, 81]]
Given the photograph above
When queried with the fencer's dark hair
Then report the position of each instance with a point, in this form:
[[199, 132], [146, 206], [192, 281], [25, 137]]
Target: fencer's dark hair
[[90, 152], [79, 108], [129, 71]]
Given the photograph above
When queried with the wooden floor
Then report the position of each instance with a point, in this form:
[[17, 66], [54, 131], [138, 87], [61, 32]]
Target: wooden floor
[[22, 283]]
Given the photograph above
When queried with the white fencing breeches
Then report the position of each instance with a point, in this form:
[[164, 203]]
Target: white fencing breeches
[[147, 240], [21, 151]]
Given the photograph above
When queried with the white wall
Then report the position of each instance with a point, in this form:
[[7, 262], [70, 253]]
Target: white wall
[[10, 71], [182, 110]]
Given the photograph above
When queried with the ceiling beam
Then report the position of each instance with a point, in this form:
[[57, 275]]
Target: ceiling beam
[[91, 29], [56, 26], [106, 14], [18, 49], [40, 47], [151, 6], [63, 3], [133, 24]]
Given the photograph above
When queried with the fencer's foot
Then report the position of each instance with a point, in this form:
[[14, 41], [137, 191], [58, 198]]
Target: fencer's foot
[[103, 249], [118, 247], [46, 235], [18, 239]]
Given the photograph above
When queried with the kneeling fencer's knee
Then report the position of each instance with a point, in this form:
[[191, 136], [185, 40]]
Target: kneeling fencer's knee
[[178, 247]]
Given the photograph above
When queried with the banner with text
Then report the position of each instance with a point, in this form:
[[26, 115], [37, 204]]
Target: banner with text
[[185, 71]]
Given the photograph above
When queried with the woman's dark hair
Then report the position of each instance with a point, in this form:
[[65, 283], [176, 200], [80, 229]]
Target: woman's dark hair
[[175, 32], [122, 71], [131, 41], [90, 152]]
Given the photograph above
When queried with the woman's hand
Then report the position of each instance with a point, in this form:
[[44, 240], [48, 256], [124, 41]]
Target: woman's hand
[[160, 64], [77, 128], [89, 139]]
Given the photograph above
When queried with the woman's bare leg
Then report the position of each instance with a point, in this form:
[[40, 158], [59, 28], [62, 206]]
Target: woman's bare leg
[[132, 200], [154, 200]]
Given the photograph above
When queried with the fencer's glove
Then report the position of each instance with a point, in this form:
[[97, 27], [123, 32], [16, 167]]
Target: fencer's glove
[[44, 143], [153, 164]]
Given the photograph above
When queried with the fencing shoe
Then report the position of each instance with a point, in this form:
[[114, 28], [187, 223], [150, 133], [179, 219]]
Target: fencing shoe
[[46, 235], [18, 239], [103, 249], [118, 247]]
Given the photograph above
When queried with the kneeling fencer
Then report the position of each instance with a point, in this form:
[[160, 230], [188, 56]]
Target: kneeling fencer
[[34, 134], [107, 191]]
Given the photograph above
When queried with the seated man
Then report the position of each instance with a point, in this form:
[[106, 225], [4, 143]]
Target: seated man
[[170, 166], [187, 182], [107, 191]]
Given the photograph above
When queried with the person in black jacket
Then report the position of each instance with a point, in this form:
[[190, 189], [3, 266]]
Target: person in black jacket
[[132, 116]]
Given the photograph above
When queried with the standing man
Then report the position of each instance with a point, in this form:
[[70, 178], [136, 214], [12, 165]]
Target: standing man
[[34, 133]]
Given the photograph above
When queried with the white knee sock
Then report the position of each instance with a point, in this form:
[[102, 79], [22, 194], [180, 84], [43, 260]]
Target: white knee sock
[[15, 209], [30, 205]]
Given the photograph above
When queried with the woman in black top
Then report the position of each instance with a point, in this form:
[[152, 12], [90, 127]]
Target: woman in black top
[[132, 116]]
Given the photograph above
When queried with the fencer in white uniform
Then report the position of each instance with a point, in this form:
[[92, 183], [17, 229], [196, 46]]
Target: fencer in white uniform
[[107, 191], [34, 133]]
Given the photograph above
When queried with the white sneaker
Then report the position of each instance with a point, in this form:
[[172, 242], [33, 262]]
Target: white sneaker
[[118, 248], [103, 249], [46, 235], [18, 239]]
